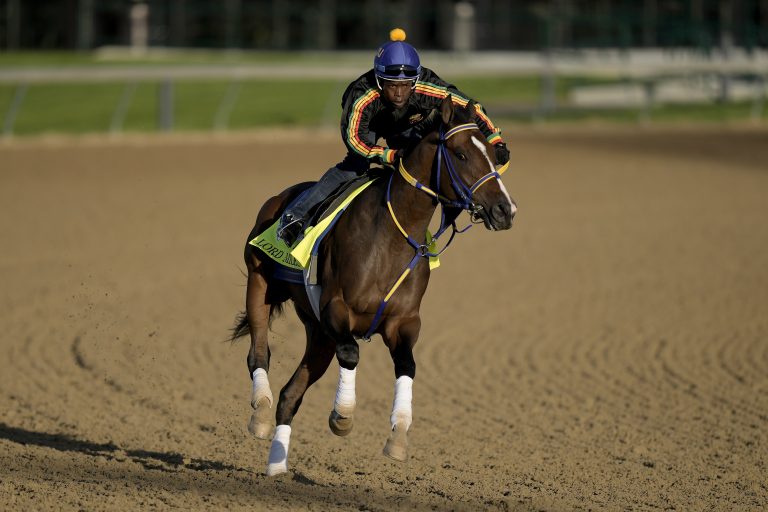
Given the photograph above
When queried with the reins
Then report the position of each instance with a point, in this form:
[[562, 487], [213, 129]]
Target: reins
[[464, 193]]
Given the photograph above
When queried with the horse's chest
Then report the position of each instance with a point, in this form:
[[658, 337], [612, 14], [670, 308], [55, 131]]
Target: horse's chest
[[401, 289]]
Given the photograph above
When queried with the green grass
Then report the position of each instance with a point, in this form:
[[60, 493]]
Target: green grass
[[73, 108], [81, 108], [704, 113], [32, 59], [170, 58], [89, 107], [288, 103], [737, 111], [523, 90]]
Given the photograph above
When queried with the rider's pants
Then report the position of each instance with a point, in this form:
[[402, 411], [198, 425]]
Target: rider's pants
[[328, 182]]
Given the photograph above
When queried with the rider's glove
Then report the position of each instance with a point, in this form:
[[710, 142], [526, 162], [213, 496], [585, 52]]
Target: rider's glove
[[502, 153]]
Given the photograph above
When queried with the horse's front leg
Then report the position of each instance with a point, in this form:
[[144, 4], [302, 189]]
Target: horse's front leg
[[400, 345], [340, 420], [348, 354]]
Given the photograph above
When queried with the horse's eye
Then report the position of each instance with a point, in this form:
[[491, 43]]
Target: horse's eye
[[461, 156]]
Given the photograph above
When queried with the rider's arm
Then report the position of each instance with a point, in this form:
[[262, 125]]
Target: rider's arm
[[355, 132], [432, 87]]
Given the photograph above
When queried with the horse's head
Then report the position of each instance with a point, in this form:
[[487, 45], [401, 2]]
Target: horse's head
[[467, 175]]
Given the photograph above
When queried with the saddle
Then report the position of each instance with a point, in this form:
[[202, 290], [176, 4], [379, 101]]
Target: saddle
[[299, 264], [328, 205]]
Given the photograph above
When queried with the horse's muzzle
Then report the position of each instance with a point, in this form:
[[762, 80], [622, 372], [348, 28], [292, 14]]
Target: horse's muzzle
[[501, 215]]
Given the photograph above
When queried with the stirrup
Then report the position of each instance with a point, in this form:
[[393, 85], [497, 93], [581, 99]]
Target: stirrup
[[290, 231]]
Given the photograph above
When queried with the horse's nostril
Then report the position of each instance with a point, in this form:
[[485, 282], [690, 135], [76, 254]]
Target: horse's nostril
[[503, 210]]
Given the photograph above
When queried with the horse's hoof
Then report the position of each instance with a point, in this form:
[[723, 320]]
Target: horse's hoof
[[340, 425], [397, 444], [262, 423], [276, 469]]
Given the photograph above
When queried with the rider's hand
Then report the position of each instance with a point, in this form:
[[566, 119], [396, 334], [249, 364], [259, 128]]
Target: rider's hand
[[502, 153]]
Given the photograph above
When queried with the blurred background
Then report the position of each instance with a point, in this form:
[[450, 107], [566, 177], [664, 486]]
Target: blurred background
[[82, 66]]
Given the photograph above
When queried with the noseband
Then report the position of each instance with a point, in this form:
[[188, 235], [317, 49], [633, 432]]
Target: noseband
[[464, 202]]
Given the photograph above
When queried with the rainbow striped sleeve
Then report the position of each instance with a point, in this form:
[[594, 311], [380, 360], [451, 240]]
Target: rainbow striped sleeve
[[494, 138], [352, 135], [389, 155], [440, 92], [385, 155]]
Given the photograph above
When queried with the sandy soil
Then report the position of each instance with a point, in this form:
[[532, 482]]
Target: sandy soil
[[610, 352]]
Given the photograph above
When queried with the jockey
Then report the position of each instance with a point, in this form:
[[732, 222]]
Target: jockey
[[397, 100]]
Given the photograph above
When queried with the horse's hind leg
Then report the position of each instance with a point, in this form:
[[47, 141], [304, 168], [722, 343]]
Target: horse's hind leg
[[401, 349], [262, 419], [317, 357]]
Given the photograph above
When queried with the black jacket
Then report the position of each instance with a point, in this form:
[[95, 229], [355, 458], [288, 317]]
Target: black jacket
[[367, 118]]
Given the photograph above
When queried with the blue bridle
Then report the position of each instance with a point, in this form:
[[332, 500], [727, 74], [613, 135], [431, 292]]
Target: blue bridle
[[464, 202]]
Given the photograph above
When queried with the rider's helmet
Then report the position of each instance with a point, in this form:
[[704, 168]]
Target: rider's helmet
[[397, 60]]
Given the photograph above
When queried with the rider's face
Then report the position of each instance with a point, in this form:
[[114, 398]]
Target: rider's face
[[396, 92]]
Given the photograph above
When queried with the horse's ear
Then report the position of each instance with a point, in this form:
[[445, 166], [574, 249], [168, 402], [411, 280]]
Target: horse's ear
[[446, 109], [470, 110]]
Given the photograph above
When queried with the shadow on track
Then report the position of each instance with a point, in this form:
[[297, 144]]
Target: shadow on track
[[237, 486], [161, 461]]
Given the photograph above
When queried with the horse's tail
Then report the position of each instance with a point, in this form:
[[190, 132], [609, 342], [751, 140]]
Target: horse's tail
[[242, 327]]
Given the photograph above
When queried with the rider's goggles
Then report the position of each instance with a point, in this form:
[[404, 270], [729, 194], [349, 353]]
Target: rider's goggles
[[400, 69]]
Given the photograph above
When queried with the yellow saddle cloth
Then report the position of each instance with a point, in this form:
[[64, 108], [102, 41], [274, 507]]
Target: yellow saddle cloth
[[298, 257]]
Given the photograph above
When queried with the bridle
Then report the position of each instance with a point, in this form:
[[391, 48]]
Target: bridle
[[464, 193], [464, 202]]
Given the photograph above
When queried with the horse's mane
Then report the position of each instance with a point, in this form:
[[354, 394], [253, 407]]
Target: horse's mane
[[466, 114]]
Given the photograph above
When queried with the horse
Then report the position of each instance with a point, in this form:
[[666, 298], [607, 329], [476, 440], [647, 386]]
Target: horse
[[373, 270]]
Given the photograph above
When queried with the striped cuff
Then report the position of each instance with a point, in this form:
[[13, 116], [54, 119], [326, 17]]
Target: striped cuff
[[494, 138], [389, 155]]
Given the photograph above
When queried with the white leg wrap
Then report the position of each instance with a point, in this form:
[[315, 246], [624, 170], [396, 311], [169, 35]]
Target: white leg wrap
[[261, 386], [401, 408], [278, 452], [345, 393]]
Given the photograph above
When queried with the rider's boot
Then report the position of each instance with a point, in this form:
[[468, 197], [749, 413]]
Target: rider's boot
[[292, 222]]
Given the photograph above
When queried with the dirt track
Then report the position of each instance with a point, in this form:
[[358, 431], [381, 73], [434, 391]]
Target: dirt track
[[610, 352]]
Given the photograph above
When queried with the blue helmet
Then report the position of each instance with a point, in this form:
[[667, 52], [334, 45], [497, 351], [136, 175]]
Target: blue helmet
[[396, 59]]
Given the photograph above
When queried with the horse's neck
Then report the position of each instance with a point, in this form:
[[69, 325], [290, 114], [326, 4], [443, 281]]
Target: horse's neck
[[413, 207]]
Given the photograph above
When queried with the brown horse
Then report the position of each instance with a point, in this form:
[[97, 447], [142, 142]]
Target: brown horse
[[373, 272]]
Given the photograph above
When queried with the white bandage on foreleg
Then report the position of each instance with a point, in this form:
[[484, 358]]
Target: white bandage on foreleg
[[401, 408], [278, 452], [345, 393], [261, 386]]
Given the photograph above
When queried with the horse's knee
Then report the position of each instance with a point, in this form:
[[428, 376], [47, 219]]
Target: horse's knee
[[405, 368], [405, 364], [348, 355]]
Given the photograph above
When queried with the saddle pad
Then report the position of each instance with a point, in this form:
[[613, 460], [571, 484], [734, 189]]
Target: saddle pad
[[298, 257]]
